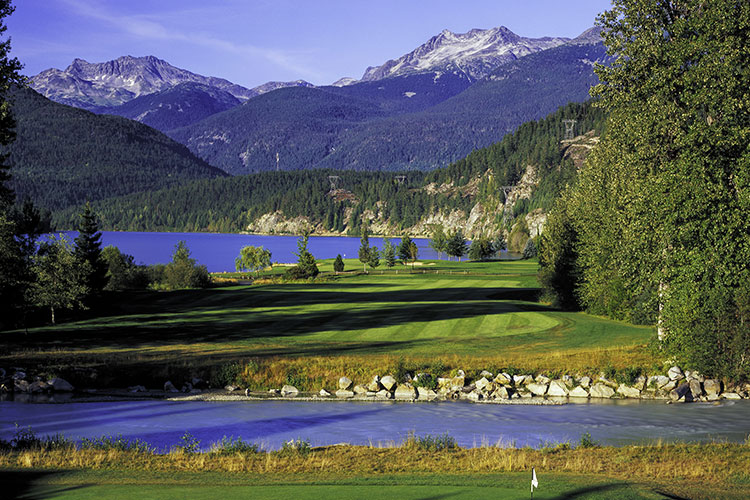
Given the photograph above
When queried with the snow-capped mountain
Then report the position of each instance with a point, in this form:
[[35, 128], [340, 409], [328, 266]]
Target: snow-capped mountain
[[473, 54], [94, 86]]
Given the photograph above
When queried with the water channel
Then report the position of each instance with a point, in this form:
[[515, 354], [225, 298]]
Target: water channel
[[270, 423]]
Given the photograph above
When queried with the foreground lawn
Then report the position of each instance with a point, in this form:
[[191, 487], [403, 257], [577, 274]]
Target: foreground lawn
[[455, 311]]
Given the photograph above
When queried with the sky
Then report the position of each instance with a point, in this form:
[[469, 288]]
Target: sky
[[250, 42]]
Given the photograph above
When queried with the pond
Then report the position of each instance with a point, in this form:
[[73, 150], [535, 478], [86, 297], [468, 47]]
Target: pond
[[270, 423]]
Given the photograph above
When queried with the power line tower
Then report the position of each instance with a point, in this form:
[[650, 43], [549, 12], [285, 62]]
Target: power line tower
[[400, 179], [333, 179], [506, 209], [277, 161], [569, 129]]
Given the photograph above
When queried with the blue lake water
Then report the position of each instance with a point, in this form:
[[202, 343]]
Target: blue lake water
[[218, 250], [270, 423]]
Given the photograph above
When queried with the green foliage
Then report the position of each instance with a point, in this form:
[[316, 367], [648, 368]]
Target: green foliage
[[629, 375], [118, 443], [297, 446], [14, 275], [404, 249], [530, 250], [374, 260], [253, 259], [122, 271], [232, 446], [438, 239], [389, 253], [225, 374], [364, 248], [587, 441], [426, 380], [88, 248], [188, 444], [298, 380], [481, 248], [432, 443], [183, 272], [338, 264], [306, 267], [456, 244], [24, 438], [559, 272]]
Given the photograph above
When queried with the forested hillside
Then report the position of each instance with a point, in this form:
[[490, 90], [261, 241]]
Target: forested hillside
[[233, 204], [64, 156]]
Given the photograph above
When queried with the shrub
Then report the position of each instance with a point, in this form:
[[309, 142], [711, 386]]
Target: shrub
[[118, 443], [189, 444], [426, 380], [296, 447], [226, 374], [587, 441], [629, 375], [230, 445], [432, 443]]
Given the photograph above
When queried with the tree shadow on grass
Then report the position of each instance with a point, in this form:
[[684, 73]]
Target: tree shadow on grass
[[30, 485]]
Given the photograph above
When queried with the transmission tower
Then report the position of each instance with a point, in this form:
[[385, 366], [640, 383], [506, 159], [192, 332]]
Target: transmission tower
[[569, 129], [277, 161], [333, 179], [506, 208], [400, 179]]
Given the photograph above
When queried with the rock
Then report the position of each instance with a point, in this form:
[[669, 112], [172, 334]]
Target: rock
[[230, 388], [731, 395], [405, 391], [474, 396], [199, 383], [444, 383], [374, 384], [585, 382], [136, 388], [660, 381], [681, 393], [611, 383], [515, 395], [503, 379], [461, 373], [289, 391], [557, 388], [425, 393], [359, 389], [541, 379], [60, 385], [482, 383], [669, 386], [486, 374], [344, 383], [38, 387], [519, 379], [168, 386], [344, 394], [19, 375], [247, 392], [675, 373], [695, 388], [600, 390], [383, 394], [712, 397], [324, 394], [537, 389], [640, 383], [578, 392], [274, 391], [568, 381], [187, 387], [712, 386], [694, 375], [458, 382], [500, 392], [629, 392], [388, 382]]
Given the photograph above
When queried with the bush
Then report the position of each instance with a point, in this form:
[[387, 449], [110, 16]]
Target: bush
[[298, 380], [587, 441], [188, 444], [226, 374], [118, 443], [427, 381], [230, 445], [629, 375], [432, 443], [26, 439], [296, 447]]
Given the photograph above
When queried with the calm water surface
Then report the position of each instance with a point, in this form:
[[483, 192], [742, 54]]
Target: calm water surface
[[270, 423], [218, 250]]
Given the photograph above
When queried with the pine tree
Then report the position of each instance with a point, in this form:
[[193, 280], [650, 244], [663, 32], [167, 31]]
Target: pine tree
[[338, 264], [389, 253], [88, 248], [364, 248]]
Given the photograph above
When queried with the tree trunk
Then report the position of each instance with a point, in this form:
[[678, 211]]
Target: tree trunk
[[52, 311]]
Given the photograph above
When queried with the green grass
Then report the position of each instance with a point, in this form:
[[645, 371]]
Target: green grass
[[463, 309], [113, 485]]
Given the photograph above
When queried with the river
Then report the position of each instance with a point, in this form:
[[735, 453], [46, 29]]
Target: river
[[270, 423]]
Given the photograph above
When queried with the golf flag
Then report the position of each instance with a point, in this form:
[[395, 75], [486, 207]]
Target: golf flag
[[534, 482]]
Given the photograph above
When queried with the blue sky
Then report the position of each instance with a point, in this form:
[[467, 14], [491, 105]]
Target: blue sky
[[251, 42]]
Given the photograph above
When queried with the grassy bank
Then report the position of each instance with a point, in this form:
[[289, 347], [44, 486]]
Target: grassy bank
[[682, 471], [445, 315]]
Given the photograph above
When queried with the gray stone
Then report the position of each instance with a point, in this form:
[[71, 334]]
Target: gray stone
[[344, 394], [324, 394], [669, 386], [61, 385], [585, 382], [537, 389], [458, 382], [611, 383], [275, 392], [38, 387], [168, 386], [681, 393], [519, 379], [661, 381], [344, 383], [568, 380], [675, 373], [731, 395], [503, 379], [374, 384], [20, 385], [482, 383], [629, 392], [461, 373], [695, 388], [444, 382], [230, 388], [578, 392], [289, 391], [640, 383], [600, 390], [383, 394], [474, 396], [187, 387], [388, 382], [541, 379], [405, 391], [712, 386], [425, 393], [486, 374], [557, 388], [712, 397], [694, 375], [359, 389], [138, 388], [500, 393]]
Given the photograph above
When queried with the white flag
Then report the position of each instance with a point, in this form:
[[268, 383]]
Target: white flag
[[534, 482]]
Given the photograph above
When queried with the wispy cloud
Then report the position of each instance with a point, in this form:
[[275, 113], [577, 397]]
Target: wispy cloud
[[146, 27]]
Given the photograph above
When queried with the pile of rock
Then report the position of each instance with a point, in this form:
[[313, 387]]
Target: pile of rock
[[676, 385], [20, 382]]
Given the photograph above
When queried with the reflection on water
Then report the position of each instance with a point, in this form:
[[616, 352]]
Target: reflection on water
[[270, 423]]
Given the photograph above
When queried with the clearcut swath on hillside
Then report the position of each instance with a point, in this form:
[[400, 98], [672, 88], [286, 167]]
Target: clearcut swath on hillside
[[471, 309]]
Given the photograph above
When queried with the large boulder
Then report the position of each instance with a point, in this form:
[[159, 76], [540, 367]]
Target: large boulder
[[585, 382], [557, 388], [388, 382], [569, 381], [659, 380], [359, 389], [521, 379], [374, 385], [681, 393], [383, 394], [482, 383], [344, 394], [537, 389], [731, 395], [600, 390], [541, 379], [500, 392], [60, 385], [629, 392], [712, 386], [503, 379], [289, 391], [458, 382], [578, 392], [486, 374], [425, 393], [324, 394], [675, 373], [38, 387], [344, 383], [168, 386], [474, 396], [695, 388], [405, 391]]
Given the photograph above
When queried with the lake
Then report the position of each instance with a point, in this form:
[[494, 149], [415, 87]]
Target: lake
[[270, 423], [217, 251]]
